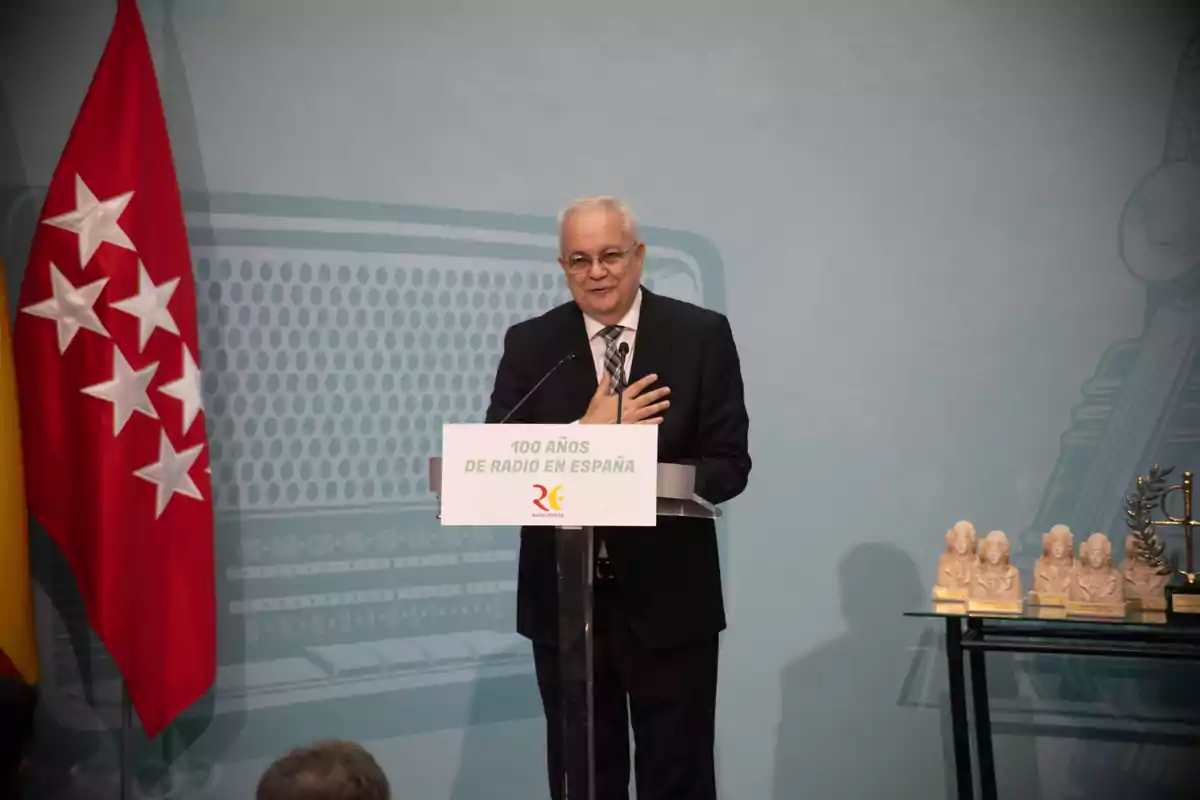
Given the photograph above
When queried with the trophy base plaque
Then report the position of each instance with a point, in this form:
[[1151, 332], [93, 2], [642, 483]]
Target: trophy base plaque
[[1183, 602], [1113, 610], [1148, 603], [1047, 599], [1048, 612], [951, 607], [994, 607], [944, 594]]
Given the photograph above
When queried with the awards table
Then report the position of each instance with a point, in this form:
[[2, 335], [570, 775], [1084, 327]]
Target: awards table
[[1038, 629]]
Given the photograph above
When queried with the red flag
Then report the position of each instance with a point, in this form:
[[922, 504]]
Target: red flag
[[106, 350]]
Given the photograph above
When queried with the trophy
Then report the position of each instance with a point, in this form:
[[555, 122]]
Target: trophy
[[956, 565], [995, 585], [1096, 588], [1151, 556], [1054, 569]]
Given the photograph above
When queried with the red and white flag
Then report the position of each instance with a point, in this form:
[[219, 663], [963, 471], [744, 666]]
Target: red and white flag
[[116, 457]]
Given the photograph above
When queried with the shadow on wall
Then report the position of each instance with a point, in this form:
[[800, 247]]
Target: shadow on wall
[[869, 712], [840, 722]]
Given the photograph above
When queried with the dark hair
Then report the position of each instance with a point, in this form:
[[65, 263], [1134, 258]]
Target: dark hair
[[331, 770]]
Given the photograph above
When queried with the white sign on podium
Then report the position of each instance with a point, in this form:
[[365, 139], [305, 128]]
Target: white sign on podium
[[553, 475]]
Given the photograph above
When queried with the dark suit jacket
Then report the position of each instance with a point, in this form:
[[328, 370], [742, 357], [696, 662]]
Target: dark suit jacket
[[668, 579]]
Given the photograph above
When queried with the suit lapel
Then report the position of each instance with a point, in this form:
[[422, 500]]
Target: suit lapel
[[581, 372], [648, 342]]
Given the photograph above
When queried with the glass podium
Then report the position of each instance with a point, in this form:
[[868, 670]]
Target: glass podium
[[575, 548]]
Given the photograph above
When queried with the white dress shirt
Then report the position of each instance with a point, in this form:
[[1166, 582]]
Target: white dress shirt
[[599, 344]]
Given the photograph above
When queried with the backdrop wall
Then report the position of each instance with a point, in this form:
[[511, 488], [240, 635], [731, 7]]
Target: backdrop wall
[[958, 247]]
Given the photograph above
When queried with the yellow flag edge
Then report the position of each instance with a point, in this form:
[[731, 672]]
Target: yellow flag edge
[[18, 638]]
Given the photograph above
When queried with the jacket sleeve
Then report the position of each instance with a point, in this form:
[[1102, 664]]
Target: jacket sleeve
[[511, 381], [723, 462]]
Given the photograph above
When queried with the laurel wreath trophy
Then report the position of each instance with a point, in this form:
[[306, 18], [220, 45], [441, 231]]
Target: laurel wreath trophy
[[1151, 495]]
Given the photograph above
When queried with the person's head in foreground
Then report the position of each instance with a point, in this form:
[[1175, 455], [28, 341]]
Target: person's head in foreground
[[330, 770]]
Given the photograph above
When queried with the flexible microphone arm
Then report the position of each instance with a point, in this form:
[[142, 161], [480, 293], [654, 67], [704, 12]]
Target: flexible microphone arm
[[622, 352], [538, 385]]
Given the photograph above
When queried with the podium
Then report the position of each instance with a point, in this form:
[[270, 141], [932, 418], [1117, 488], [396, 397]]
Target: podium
[[665, 490]]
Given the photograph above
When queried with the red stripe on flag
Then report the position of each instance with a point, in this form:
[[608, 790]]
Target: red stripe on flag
[[8, 669]]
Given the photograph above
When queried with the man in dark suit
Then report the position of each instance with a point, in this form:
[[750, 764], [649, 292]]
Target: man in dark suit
[[658, 605]]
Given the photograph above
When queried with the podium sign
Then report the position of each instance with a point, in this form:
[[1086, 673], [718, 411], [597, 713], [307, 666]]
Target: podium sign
[[564, 476]]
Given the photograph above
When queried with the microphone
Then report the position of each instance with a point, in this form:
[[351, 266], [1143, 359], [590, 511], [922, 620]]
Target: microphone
[[622, 352], [538, 385]]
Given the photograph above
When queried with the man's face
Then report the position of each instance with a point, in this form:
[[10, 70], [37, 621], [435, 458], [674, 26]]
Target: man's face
[[961, 543], [994, 555], [603, 265], [1096, 558], [1058, 548]]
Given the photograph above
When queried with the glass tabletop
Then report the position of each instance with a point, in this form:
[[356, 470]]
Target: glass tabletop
[[1034, 613]]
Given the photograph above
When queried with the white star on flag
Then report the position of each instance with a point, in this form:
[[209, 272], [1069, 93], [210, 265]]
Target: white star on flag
[[170, 473], [186, 390], [96, 221], [70, 307], [126, 391], [149, 305]]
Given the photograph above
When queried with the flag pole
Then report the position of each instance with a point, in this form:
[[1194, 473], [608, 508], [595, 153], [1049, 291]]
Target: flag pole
[[126, 746]]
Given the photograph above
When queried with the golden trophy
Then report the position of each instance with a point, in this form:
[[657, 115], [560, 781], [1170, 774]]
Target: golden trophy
[[1151, 495]]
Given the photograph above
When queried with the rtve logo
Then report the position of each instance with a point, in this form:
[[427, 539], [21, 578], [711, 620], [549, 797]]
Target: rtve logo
[[548, 499]]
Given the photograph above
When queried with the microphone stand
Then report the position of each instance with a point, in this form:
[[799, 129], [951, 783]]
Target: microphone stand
[[538, 385], [620, 394]]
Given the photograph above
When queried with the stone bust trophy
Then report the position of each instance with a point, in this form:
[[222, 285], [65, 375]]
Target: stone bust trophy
[[995, 584], [1096, 588], [957, 564], [1145, 587], [1054, 569]]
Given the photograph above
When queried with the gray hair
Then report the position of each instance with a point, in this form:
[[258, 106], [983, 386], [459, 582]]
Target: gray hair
[[995, 539], [1060, 532], [628, 223], [1097, 541]]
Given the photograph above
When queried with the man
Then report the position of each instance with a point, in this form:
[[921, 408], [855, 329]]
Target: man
[[331, 770], [658, 605]]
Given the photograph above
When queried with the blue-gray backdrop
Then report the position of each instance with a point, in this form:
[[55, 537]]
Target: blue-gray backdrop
[[958, 244]]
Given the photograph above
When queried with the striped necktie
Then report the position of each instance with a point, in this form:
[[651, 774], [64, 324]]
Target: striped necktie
[[613, 366], [612, 361]]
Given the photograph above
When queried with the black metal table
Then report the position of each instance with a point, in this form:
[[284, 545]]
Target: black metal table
[[1040, 629]]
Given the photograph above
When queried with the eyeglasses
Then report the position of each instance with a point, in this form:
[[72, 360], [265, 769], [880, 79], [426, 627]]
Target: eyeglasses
[[612, 257]]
